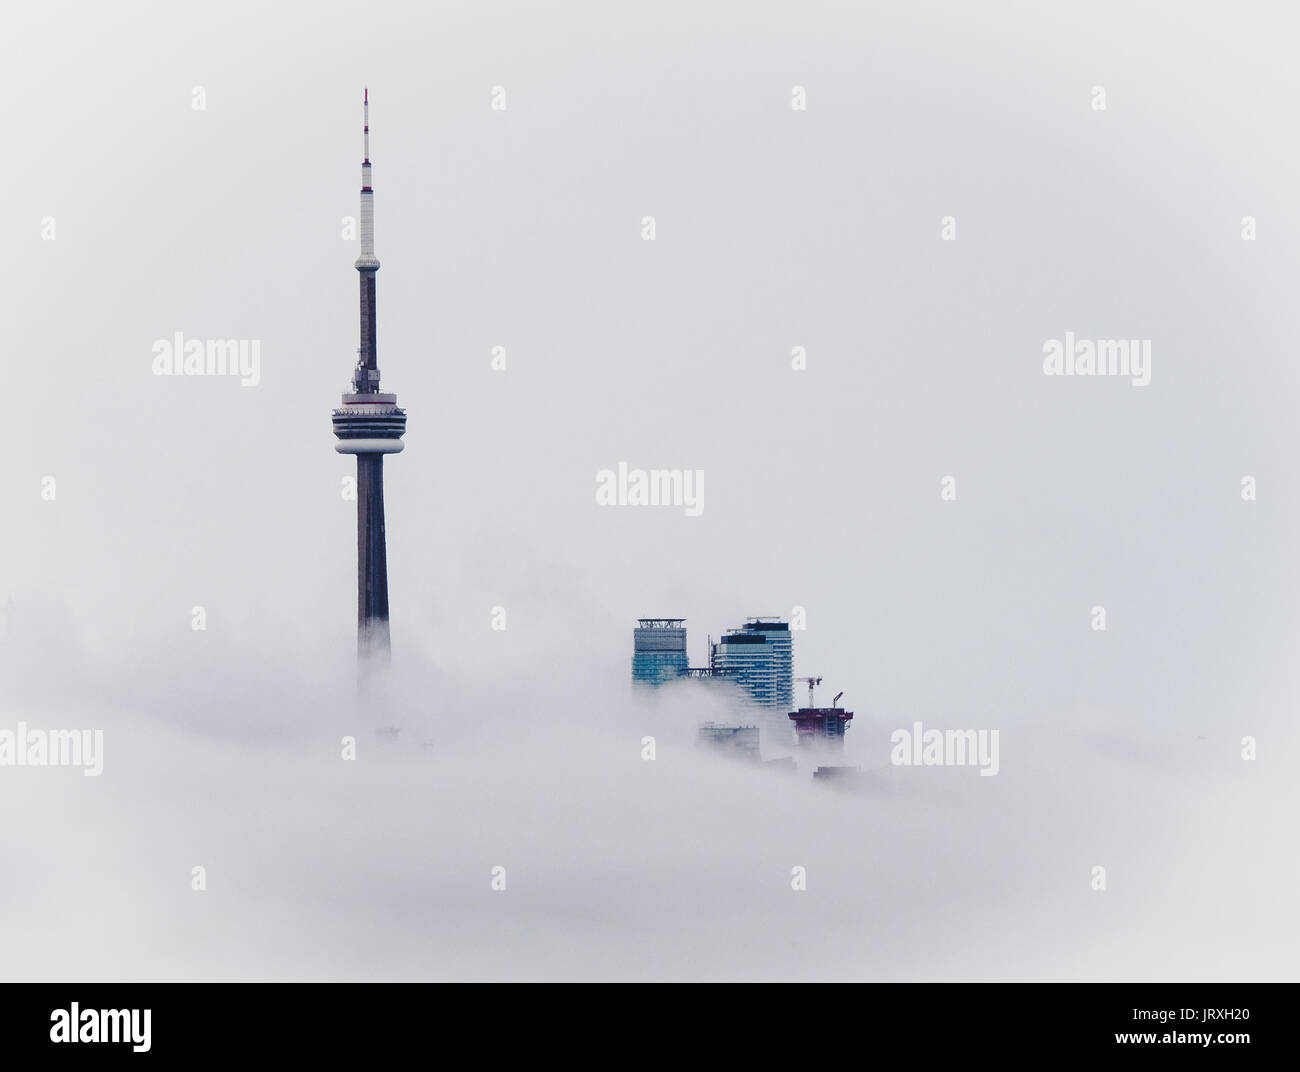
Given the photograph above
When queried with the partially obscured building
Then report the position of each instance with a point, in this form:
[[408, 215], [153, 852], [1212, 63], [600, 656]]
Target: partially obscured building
[[820, 726], [759, 657], [850, 778], [738, 741], [659, 650], [826, 725]]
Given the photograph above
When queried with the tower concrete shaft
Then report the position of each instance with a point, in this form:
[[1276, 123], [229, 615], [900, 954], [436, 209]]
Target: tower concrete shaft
[[372, 558]]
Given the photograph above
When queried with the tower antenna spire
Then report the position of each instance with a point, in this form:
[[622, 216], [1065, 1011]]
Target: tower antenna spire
[[367, 260]]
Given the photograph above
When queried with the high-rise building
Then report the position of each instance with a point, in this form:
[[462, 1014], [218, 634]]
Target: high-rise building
[[658, 650], [822, 727], [369, 424], [759, 657], [738, 741]]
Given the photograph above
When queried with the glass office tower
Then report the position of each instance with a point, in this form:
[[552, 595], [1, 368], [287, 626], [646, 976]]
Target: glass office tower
[[658, 650]]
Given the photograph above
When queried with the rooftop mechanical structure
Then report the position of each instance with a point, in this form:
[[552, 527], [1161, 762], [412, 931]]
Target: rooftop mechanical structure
[[369, 424]]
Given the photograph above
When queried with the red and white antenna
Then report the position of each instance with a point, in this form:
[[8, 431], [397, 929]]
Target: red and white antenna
[[365, 109]]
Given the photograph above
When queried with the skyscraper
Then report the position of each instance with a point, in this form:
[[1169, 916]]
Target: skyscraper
[[369, 424], [759, 656], [658, 650]]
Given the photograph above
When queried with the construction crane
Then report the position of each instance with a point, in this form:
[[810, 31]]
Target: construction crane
[[812, 681]]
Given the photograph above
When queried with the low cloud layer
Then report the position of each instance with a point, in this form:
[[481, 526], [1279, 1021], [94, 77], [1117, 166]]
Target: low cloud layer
[[617, 867]]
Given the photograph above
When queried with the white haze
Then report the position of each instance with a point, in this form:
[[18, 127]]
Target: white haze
[[616, 867]]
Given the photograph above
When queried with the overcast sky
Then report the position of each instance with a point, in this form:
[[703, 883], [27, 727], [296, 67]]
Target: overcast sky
[[131, 215]]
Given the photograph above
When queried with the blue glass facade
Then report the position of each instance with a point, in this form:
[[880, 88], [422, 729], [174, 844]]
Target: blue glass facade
[[658, 650]]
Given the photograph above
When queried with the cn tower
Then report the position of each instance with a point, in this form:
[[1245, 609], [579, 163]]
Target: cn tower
[[369, 424]]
